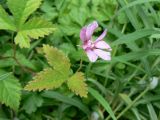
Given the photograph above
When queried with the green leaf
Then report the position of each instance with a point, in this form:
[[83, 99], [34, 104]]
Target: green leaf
[[131, 14], [32, 102], [46, 79], [128, 101], [67, 100], [122, 18], [103, 10], [134, 3], [5, 21], [57, 60], [134, 36], [79, 15], [77, 84], [155, 36], [102, 101], [136, 55], [79, 55], [152, 112], [126, 98], [10, 90], [71, 29], [22, 9], [50, 12], [33, 28]]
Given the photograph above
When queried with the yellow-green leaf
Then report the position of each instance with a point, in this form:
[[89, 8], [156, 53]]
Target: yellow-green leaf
[[47, 79], [22, 39], [76, 83], [57, 59], [37, 27], [34, 28]]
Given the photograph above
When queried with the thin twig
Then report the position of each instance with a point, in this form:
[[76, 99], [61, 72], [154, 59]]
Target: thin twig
[[23, 68], [80, 66]]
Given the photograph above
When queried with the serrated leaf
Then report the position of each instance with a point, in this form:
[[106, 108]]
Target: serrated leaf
[[71, 29], [47, 79], [22, 9], [10, 91], [57, 60], [34, 28], [79, 15], [22, 39], [77, 84], [32, 102], [5, 20], [50, 12], [37, 27]]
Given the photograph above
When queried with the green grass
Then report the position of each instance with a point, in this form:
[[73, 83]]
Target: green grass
[[118, 89]]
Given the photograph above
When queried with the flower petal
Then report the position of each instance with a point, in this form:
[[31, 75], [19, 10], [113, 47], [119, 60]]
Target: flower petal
[[90, 29], [102, 45], [83, 34], [91, 55], [102, 35], [103, 54]]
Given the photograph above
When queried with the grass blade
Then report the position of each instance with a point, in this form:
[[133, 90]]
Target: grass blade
[[102, 101], [67, 100], [134, 36], [152, 112]]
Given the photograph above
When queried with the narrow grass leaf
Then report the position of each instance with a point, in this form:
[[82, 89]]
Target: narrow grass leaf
[[134, 36], [152, 112], [67, 100], [136, 55], [134, 3], [128, 101], [103, 102]]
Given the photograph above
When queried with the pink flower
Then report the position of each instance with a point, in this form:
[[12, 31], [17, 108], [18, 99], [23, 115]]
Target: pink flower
[[97, 48]]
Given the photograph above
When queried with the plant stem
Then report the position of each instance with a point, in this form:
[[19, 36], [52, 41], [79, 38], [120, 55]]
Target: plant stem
[[135, 100], [15, 58], [80, 66], [88, 69]]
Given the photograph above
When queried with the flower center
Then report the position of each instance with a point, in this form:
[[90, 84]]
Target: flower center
[[88, 45]]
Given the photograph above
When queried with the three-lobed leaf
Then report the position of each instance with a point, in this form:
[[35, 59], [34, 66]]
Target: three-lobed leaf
[[57, 74], [54, 76], [31, 102], [10, 90]]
